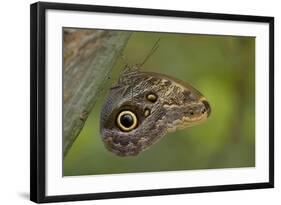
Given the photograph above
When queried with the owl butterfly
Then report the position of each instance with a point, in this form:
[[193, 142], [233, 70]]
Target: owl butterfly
[[142, 107]]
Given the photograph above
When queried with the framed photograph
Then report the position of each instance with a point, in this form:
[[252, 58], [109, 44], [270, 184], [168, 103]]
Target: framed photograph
[[129, 102]]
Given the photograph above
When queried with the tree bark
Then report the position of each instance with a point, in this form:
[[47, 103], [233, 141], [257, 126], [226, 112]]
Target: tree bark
[[89, 56]]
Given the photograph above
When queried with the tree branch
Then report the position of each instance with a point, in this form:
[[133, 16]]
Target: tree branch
[[89, 56]]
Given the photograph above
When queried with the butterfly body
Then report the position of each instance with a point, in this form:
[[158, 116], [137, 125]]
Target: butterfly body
[[143, 106]]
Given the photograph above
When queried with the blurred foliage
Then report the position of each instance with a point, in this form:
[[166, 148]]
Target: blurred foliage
[[223, 69]]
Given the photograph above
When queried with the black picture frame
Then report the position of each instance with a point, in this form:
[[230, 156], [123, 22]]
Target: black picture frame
[[38, 101]]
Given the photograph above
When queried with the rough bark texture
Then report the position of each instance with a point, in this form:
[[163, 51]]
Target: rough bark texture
[[89, 56]]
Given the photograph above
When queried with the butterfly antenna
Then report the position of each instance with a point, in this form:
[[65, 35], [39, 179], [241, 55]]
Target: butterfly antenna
[[153, 49], [124, 59]]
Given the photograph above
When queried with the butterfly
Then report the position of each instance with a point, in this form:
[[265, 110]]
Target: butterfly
[[142, 107]]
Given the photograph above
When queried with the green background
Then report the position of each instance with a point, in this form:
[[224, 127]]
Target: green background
[[220, 67]]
